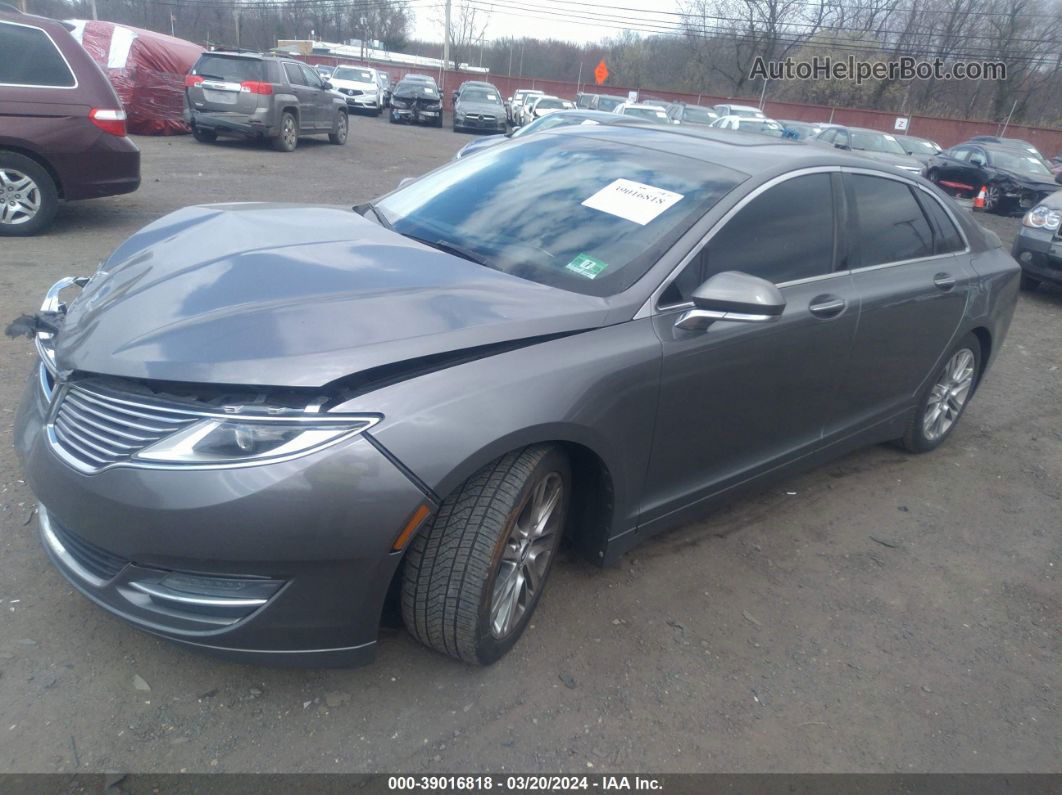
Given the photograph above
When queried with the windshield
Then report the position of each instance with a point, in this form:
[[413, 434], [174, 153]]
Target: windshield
[[350, 73], [920, 147], [746, 112], [761, 126], [572, 211], [1024, 164], [234, 70], [479, 95], [415, 89], [646, 113], [697, 115], [608, 103], [547, 122], [875, 142], [545, 104]]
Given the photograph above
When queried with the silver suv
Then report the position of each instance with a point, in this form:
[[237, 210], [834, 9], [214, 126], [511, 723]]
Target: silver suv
[[261, 96]]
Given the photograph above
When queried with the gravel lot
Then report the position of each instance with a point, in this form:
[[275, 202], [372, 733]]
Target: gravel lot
[[885, 613]]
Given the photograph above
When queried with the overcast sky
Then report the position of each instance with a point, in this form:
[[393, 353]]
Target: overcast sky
[[558, 19]]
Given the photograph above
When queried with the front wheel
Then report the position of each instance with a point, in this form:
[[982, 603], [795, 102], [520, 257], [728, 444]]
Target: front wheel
[[944, 401], [339, 137], [995, 200], [472, 580], [203, 135], [1028, 282]]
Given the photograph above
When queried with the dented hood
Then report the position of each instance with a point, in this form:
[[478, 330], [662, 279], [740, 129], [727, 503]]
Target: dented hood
[[294, 295]]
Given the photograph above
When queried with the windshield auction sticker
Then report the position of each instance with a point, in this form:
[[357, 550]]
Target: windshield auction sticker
[[632, 200], [586, 266]]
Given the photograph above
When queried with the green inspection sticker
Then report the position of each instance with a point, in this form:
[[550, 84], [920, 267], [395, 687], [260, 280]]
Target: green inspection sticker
[[587, 266]]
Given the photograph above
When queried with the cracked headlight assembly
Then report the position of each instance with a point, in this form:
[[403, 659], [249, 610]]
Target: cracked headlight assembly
[[253, 440]]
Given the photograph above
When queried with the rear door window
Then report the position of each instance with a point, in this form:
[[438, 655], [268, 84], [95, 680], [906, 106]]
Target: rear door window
[[229, 69], [892, 227], [29, 57]]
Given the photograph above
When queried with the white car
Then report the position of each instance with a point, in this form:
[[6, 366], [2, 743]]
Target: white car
[[747, 111], [641, 110], [360, 85], [760, 125], [521, 99], [537, 107]]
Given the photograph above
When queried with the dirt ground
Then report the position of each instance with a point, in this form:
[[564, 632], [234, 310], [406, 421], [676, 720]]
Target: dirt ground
[[887, 612]]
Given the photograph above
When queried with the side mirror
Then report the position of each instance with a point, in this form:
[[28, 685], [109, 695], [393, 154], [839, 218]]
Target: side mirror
[[327, 84], [732, 295], [976, 161], [839, 145]]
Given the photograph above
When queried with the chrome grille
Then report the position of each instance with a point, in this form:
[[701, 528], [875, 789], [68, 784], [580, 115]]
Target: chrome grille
[[96, 429]]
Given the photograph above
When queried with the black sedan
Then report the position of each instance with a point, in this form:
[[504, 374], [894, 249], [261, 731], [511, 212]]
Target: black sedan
[[1012, 179]]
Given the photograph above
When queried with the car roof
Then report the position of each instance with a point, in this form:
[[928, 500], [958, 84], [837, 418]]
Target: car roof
[[743, 107], [748, 154], [642, 106]]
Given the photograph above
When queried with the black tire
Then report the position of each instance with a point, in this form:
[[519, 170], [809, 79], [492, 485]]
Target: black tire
[[203, 135], [995, 200], [377, 112], [339, 137], [15, 192], [915, 438], [288, 138], [453, 566], [1028, 282]]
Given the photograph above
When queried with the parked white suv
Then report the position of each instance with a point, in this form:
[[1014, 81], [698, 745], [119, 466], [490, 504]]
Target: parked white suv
[[360, 85]]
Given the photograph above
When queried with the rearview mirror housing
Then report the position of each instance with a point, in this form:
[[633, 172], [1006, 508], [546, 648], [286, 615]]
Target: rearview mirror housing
[[733, 295]]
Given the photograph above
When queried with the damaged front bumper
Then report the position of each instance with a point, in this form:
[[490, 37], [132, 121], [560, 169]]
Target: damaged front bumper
[[282, 563]]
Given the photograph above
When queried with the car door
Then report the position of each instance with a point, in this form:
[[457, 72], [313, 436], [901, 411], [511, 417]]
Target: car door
[[913, 284], [324, 103], [977, 167], [306, 96], [955, 170], [737, 398]]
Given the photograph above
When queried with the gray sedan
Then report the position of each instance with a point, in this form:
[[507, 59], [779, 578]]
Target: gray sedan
[[257, 421]]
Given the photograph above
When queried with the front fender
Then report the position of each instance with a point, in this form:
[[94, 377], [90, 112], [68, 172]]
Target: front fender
[[597, 389]]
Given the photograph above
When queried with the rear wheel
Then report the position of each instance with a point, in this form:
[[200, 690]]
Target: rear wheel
[[339, 137], [289, 133], [474, 577], [944, 401], [203, 135], [29, 198]]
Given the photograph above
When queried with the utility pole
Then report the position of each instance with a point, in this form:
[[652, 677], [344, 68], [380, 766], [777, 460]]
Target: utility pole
[[236, 16], [579, 80], [92, 3], [446, 39], [512, 44]]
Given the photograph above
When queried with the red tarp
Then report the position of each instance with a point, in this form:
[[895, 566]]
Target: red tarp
[[147, 71]]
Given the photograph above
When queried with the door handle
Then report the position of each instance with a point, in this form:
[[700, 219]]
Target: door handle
[[945, 281], [827, 306]]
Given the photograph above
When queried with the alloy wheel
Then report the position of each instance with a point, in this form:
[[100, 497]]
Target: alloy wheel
[[20, 198], [289, 131], [525, 559], [993, 197], [949, 395]]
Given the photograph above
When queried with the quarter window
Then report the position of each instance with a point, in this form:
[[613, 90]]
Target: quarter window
[[295, 75], [946, 238], [892, 226], [784, 234], [29, 58]]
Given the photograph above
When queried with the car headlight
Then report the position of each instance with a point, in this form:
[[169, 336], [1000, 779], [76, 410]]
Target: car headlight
[[252, 439], [1042, 217]]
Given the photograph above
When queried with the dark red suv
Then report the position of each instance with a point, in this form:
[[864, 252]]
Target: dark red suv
[[62, 127]]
